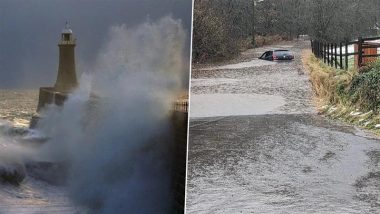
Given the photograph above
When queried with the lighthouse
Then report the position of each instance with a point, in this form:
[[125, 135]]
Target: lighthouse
[[66, 78]]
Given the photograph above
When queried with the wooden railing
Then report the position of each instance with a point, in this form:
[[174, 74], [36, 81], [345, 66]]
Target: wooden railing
[[181, 105], [333, 55]]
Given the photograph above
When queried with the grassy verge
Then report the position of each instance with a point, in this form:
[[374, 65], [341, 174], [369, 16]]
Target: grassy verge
[[352, 96]]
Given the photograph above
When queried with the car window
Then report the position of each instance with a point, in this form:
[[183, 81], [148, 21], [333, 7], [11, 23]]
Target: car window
[[267, 55], [281, 53], [264, 55]]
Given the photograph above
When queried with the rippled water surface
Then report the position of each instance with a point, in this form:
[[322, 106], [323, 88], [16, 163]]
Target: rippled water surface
[[18, 106]]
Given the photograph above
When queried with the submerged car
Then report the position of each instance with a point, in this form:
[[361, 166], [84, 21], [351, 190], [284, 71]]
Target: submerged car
[[277, 55]]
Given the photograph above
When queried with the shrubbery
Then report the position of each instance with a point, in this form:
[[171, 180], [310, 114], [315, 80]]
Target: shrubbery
[[364, 89], [357, 89]]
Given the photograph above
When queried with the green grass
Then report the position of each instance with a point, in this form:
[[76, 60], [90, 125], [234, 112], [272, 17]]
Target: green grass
[[351, 62], [352, 96]]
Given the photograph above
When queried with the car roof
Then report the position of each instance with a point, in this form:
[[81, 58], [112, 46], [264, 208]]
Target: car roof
[[280, 50]]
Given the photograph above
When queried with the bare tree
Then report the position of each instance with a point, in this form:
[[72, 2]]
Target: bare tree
[[220, 26], [253, 24]]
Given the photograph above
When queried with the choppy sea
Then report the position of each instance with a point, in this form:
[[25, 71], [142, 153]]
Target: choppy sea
[[33, 195], [18, 106]]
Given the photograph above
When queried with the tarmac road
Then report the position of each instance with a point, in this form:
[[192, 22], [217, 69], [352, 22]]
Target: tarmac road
[[257, 145]]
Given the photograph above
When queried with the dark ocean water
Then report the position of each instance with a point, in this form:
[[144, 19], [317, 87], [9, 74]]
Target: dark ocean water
[[33, 195]]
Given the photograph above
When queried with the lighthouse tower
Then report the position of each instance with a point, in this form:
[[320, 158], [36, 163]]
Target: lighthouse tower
[[67, 78]]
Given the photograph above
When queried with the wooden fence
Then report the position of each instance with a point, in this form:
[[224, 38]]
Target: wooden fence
[[181, 105], [333, 55]]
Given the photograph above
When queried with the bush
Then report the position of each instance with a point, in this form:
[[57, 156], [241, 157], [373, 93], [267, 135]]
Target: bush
[[364, 90], [360, 89], [341, 91]]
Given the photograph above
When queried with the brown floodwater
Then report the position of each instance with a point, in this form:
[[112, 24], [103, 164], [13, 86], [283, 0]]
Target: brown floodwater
[[278, 155]]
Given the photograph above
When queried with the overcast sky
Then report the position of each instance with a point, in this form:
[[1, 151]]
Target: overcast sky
[[30, 31]]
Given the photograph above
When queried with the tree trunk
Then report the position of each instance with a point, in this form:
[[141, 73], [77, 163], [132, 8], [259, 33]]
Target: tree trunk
[[253, 24]]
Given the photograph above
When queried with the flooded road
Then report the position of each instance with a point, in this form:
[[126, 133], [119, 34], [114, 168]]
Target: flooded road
[[277, 155]]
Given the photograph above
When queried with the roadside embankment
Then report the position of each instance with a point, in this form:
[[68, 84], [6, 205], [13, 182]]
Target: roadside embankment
[[352, 96]]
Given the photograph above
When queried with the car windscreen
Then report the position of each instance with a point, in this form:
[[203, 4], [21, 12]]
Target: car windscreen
[[281, 53]]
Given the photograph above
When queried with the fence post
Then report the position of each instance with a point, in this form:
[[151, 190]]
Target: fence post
[[332, 55], [336, 56], [312, 46], [346, 55], [328, 53], [324, 52], [340, 56], [317, 48], [360, 51], [318, 51]]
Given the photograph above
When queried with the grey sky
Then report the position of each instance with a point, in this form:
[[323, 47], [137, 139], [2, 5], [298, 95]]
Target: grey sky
[[30, 31]]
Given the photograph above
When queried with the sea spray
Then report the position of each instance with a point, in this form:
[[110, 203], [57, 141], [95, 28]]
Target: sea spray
[[114, 132], [14, 153]]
